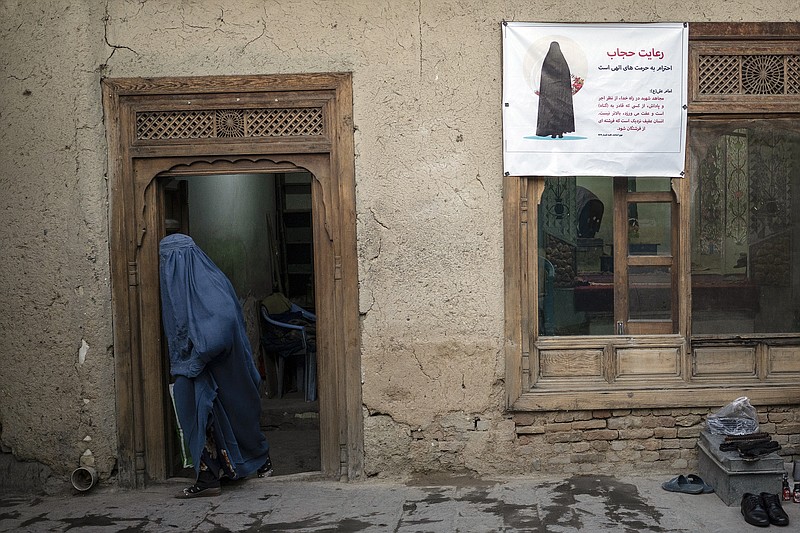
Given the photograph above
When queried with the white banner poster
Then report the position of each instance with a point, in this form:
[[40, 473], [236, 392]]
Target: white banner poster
[[594, 99]]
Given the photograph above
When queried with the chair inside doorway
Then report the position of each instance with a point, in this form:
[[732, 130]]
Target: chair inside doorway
[[288, 333]]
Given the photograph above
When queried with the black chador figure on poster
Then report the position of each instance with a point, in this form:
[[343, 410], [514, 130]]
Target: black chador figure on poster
[[556, 116]]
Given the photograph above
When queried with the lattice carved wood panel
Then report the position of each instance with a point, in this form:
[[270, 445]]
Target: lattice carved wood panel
[[223, 123], [755, 74]]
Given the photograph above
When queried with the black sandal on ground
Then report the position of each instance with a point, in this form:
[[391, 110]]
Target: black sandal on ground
[[265, 470], [196, 491], [207, 484]]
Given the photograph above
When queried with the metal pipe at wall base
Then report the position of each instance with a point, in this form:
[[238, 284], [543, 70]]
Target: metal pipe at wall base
[[83, 478]]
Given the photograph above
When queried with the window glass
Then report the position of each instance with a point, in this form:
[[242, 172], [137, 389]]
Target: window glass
[[576, 279], [649, 293], [745, 227], [649, 228], [649, 184]]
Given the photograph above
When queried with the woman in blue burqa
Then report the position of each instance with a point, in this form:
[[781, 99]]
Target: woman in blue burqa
[[216, 382], [556, 115]]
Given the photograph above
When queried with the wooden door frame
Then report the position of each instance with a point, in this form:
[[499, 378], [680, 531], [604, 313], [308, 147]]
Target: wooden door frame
[[225, 124]]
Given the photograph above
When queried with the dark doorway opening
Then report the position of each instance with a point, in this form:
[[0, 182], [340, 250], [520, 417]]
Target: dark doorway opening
[[257, 228]]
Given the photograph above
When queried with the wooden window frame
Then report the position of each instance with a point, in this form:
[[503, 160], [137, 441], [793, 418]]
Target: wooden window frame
[[594, 366]]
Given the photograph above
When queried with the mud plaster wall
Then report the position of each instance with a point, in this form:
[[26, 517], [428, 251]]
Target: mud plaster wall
[[56, 356], [427, 85]]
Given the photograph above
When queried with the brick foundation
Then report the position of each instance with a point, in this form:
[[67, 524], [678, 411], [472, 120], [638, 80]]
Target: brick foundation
[[634, 440]]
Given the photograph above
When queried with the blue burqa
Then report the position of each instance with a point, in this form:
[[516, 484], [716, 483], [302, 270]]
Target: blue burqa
[[216, 381]]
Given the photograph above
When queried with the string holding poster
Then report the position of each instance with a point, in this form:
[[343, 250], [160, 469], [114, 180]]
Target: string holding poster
[[594, 99]]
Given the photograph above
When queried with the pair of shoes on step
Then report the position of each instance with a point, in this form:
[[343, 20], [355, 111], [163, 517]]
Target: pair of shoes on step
[[734, 442], [763, 509], [751, 447], [752, 452], [747, 436]]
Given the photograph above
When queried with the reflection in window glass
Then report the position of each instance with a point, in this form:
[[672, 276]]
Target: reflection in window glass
[[650, 231], [746, 228], [649, 184], [649, 291], [576, 279]]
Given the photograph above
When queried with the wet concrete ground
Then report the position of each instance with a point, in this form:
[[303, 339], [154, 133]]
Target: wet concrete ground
[[300, 503]]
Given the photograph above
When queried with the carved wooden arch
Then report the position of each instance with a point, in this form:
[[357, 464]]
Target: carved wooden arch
[[147, 170], [223, 125]]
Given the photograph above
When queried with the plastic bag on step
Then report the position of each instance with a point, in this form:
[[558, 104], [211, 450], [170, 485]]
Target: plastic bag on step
[[737, 418]]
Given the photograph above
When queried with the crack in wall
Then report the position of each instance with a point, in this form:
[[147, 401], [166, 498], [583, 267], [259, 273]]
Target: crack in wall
[[378, 252], [371, 303], [419, 364], [419, 26], [457, 192], [380, 239], [114, 47], [12, 77], [375, 218], [263, 32], [478, 179]]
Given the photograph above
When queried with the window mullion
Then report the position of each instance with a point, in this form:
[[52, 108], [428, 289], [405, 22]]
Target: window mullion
[[620, 255]]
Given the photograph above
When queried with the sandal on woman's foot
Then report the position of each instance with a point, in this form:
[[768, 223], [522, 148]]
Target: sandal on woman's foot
[[266, 469], [196, 491]]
